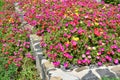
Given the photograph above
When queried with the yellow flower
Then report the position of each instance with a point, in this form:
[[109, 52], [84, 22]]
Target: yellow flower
[[98, 54], [96, 19], [65, 29], [75, 38], [77, 13], [96, 23], [90, 10], [104, 7], [11, 20], [67, 42]]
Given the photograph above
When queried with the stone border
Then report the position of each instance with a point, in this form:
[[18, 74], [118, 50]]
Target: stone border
[[48, 72]]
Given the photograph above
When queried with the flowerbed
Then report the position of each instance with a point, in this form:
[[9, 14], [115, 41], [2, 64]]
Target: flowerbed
[[76, 32], [17, 62]]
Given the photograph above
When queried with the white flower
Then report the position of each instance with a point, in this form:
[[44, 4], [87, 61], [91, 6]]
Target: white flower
[[94, 48]]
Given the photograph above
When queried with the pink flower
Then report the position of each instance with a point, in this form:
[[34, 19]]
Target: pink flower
[[74, 30], [66, 64], [114, 46], [67, 55], [89, 57], [51, 47], [56, 64], [99, 63], [79, 61], [99, 53], [110, 59], [34, 23], [87, 52], [80, 31], [98, 57], [67, 44], [28, 55], [21, 49], [103, 60], [18, 65], [112, 52], [88, 61], [118, 50], [102, 49], [65, 34], [83, 55], [116, 61], [84, 61], [74, 43], [6, 52], [4, 45]]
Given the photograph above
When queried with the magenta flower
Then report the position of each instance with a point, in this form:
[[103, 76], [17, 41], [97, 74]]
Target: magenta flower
[[87, 52], [99, 53], [28, 55], [74, 43], [56, 64], [88, 61], [116, 61], [99, 63], [66, 64], [65, 34], [80, 31], [74, 30], [34, 23], [118, 50], [21, 49], [51, 47], [84, 61], [103, 60], [79, 61], [18, 65], [114, 46], [112, 52], [67, 44], [61, 48], [110, 59], [67, 55], [102, 49]]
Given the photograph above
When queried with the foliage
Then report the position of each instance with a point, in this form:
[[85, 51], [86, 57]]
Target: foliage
[[1, 4], [115, 2], [17, 62]]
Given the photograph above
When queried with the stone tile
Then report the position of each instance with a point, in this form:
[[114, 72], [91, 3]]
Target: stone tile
[[35, 37], [37, 46], [90, 76], [98, 0], [81, 68], [36, 41], [56, 78], [27, 26], [63, 75], [105, 73], [116, 70], [16, 4], [47, 65]]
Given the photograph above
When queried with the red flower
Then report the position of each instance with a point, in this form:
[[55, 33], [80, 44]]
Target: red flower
[[98, 31]]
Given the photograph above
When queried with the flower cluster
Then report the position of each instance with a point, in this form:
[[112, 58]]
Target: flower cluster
[[78, 32], [14, 44]]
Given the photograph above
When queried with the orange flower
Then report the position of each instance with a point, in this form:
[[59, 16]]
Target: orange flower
[[108, 52]]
